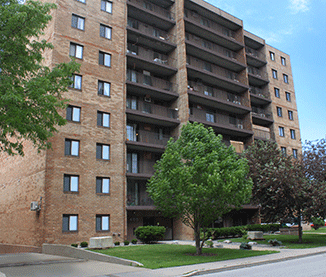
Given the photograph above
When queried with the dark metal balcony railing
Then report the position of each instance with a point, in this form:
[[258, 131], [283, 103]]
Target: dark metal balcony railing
[[212, 46], [212, 68], [262, 134], [194, 16], [149, 108], [154, 8], [149, 137], [150, 30], [212, 117], [259, 92], [255, 53], [136, 199], [218, 94], [261, 112], [142, 167], [139, 78], [150, 55], [257, 72]]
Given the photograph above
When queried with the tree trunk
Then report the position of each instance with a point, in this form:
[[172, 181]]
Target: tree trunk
[[197, 239], [300, 227]]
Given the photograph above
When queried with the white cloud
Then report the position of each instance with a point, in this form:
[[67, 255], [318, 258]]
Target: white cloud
[[298, 6]]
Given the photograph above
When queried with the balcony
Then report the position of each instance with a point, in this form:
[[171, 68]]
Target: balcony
[[262, 134], [147, 112], [140, 167], [217, 99], [144, 84], [137, 196], [145, 140], [211, 74], [259, 96], [255, 57], [221, 123], [261, 117], [151, 14], [212, 31], [213, 52], [256, 76], [150, 36], [150, 60]]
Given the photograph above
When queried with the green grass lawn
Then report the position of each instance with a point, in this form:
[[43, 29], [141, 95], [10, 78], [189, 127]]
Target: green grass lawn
[[319, 230], [310, 240], [164, 255]]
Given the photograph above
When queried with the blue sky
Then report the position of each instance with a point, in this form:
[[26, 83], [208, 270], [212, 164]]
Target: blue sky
[[296, 27]]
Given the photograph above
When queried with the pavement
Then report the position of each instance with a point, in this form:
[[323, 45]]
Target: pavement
[[49, 265]]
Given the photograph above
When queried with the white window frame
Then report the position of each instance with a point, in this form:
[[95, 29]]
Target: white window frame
[[73, 113], [106, 6], [76, 50]]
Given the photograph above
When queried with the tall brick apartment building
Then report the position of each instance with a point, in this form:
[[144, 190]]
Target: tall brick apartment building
[[147, 67]]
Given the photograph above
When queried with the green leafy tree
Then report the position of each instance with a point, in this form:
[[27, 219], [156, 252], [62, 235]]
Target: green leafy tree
[[30, 93], [279, 185], [198, 179]]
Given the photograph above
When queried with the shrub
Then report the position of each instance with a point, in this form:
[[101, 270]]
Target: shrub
[[275, 242], [317, 222], [84, 244], [150, 234], [209, 243], [74, 244], [134, 241], [126, 242], [245, 246], [117, 243]]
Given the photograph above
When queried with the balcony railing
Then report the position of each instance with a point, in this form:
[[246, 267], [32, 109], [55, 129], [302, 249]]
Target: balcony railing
[[139, 78], [149, 108], [261, 134], [150, 30], [150, 55], [261, 113], [259, 92], [212, 46], [154, 8], [257, 72], [255, 53], [212, 117], [212, 68], [149, 137], [218, 94], [215, 27], [143, 166]]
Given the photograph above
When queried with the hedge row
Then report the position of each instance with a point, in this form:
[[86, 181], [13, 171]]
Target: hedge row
[[238, 231]]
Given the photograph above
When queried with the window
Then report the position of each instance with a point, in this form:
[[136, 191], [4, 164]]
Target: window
[[83, 1], [70, 183], [283, 61], [78, 22], [102, 222], [277, 92], [279, 111], [288, 96], [272, 56], [285, 78], [295, 153], [274, 72], [76, 50], [73, 113], [103, 119], [204, 22], [283, 150], [292, 133], [102, 185], [105, 31], [102, 151], [71, 147], [106, 6], [69, 223], [290, 113], [104, 59], [76, 82], [281, 131], [132, 163], [104, 88], [210, 117], [208, 66]]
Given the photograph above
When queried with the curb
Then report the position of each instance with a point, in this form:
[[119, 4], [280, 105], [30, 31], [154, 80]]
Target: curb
[[232, 267]]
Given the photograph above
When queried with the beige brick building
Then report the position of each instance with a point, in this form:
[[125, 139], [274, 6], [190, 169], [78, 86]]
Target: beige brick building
[[147, 67]]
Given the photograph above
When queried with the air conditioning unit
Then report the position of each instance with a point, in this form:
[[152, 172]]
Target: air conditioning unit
[[35, 206]]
